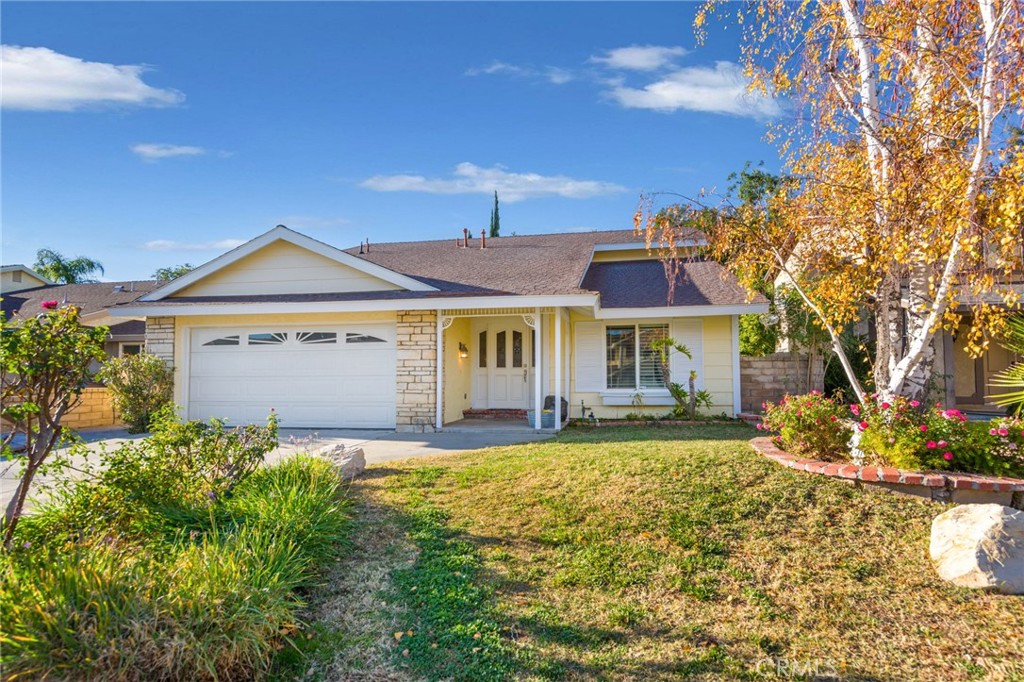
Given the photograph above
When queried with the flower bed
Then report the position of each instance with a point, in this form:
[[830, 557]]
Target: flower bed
[[940, 486], [897, 433]]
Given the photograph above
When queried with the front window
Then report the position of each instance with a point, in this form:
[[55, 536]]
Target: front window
[[632, 361]]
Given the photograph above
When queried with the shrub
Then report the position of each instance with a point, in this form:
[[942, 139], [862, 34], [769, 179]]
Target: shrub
[[905, 434], [140, 386], [810, 425], [206, 604]]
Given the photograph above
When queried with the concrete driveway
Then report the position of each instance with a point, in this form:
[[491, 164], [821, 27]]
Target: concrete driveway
[[378, 446]]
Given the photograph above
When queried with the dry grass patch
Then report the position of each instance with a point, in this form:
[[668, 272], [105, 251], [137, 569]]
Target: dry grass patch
[[676, 552]]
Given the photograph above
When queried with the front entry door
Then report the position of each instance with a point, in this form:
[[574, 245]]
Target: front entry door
[[510, 373]]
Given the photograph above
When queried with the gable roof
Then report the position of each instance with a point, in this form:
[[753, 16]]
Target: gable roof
[[540, 264], [282, 233], [643, 284], [91, 297], [19, 267]]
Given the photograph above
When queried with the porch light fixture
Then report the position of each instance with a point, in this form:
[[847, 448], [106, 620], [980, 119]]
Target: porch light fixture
[[463, 351]]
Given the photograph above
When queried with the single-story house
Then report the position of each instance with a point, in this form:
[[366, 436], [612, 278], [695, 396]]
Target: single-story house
[[93, 299], [411, 335], [17, 277], [127, 335]]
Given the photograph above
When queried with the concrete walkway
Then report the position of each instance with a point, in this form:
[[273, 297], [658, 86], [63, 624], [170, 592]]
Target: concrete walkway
[[378, 446]]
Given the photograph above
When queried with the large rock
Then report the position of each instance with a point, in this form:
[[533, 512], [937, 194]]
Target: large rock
[[981, 546], [350, 463]]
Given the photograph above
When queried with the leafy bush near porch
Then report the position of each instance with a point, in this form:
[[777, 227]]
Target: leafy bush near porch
[[137, 576], [140, 385], [810, 425]]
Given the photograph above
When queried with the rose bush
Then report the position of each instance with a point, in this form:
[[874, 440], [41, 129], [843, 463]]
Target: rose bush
[[810, 425]]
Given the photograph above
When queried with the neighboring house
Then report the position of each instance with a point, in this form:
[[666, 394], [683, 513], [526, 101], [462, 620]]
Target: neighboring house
[[93, 299], [410, 335], [18, 277]]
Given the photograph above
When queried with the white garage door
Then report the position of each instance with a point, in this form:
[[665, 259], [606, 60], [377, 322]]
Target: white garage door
[[313, 377]]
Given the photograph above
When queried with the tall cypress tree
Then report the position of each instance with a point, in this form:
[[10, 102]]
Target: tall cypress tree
[[495, 220]]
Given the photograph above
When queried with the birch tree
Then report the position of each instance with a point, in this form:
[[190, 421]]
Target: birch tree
[[907, 195]]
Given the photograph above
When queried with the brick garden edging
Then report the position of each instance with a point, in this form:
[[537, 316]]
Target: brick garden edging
[[939, 486]]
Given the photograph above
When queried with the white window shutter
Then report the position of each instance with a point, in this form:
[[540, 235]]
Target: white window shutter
[[690, 334], [589, 338]]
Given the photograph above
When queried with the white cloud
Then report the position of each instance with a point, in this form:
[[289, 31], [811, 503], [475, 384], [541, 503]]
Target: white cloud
[[552, 74], [498, 68], [469, 178], [154, 152], [171, 245], [720, 89], [39, 79], [640, 57], [558, 76]]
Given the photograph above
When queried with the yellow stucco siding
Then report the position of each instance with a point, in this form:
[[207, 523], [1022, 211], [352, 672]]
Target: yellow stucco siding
[[715, 374], [8, 283], [284, 268], [457, 371]]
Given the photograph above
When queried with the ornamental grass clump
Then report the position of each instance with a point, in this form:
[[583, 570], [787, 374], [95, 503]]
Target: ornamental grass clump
[[810, 425], [178, 561]]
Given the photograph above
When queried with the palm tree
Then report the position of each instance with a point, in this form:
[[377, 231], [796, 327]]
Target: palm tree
[[1013, 376], [61, 270]]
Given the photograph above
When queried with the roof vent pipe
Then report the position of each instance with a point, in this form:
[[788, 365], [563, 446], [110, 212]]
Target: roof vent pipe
[[465, 237], [483, 239], [361, 252], [367, 245]]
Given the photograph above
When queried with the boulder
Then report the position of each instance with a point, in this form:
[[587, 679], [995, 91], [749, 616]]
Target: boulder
[[980, 546], [350, 463]]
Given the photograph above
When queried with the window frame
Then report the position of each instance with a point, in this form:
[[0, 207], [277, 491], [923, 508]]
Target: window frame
[[637, 357]]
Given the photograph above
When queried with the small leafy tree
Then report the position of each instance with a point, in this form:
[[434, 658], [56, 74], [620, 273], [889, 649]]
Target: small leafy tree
[[44, 365], [140, 385], [61, 270], [173, 272], [686, 397]]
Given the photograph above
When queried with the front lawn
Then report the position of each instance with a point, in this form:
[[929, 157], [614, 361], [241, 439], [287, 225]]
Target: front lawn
[[658, 553]]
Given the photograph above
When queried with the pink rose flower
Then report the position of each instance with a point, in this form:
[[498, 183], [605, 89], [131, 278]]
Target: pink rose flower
[[760, 427], [48, 305], [991, 432], [886, 406], [924, 427], [915, 403], [943, 443], [855, 408], [947, 455], [863, 426], [1003, 432], [932, 445]]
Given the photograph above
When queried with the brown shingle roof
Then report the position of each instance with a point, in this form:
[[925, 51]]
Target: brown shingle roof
[[643, 284], [90, 298], [526, 265]]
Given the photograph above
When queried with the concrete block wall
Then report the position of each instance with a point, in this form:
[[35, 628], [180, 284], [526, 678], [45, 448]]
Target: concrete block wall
[[770, 377], [96, 408], [160, 338], [416, 371]]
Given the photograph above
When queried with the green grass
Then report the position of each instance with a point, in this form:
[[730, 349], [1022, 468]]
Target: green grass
[[672, 553], [214, 601]]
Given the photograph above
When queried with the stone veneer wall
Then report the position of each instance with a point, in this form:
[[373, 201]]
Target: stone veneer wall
[[416, 372], [160, 338], [770, 377]]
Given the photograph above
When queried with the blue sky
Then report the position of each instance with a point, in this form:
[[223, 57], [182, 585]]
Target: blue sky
[[150, 134]]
